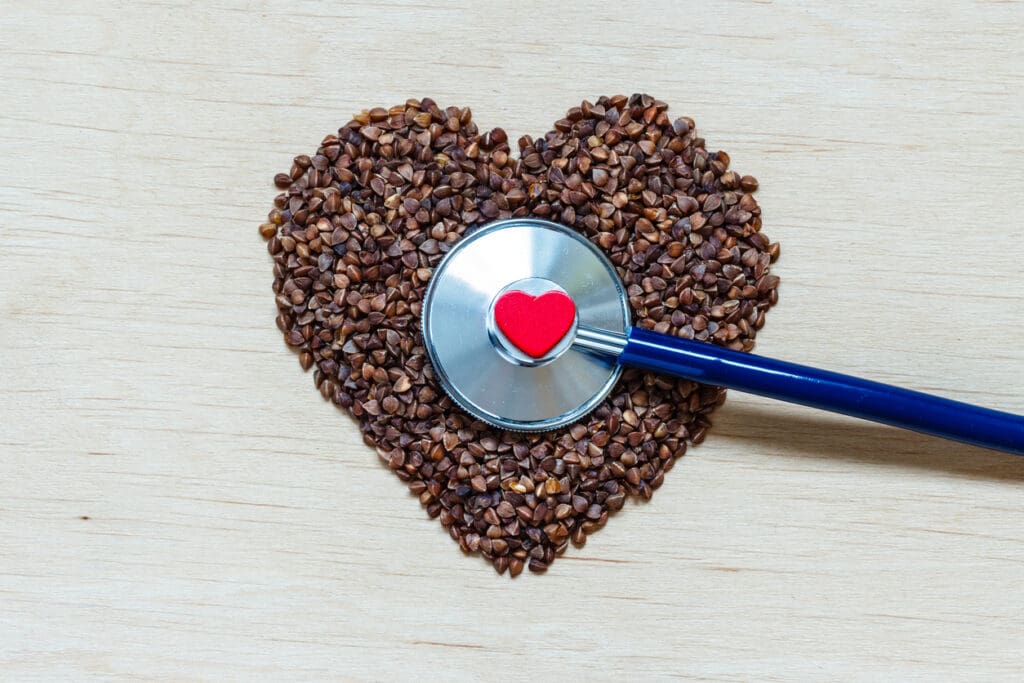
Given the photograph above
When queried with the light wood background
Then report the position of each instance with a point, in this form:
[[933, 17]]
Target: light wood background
[[177, 502]]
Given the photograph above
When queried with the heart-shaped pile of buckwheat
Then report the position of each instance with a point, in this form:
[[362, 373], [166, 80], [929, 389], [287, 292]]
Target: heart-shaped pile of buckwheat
[[360, 225]]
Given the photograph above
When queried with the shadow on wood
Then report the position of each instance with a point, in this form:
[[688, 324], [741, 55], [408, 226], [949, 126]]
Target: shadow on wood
[[815, 434]]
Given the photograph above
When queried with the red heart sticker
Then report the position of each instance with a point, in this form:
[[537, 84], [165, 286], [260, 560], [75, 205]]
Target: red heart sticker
[[535, 324]]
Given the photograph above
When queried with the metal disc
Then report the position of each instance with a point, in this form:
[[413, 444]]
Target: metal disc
[[486, 380]]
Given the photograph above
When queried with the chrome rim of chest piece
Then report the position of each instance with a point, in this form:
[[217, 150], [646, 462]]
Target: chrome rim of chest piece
[[475, 364]]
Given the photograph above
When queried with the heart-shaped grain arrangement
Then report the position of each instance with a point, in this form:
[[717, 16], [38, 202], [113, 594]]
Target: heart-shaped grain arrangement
[[360, 225]]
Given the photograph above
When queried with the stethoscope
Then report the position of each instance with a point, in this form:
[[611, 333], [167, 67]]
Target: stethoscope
[[527, 327]]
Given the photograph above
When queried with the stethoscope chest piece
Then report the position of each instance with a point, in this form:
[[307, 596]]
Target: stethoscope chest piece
[[511, 372]]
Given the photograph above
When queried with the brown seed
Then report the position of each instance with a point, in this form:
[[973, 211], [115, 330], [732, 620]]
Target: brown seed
[[615, 501], [580, 504], [450, 440]]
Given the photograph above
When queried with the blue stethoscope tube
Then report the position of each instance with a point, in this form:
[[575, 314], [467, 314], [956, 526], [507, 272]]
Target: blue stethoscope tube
[[710, 364]]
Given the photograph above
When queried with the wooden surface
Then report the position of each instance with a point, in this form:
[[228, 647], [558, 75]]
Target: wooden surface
[[177, 502]]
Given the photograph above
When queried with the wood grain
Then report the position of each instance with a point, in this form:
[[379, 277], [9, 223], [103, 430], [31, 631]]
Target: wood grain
[[176, 502]]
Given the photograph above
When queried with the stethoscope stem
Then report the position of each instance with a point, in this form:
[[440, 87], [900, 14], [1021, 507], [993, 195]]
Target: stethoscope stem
[[838, 393]]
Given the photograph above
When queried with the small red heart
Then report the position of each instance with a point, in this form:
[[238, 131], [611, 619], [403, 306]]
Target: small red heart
[[535, 324]]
